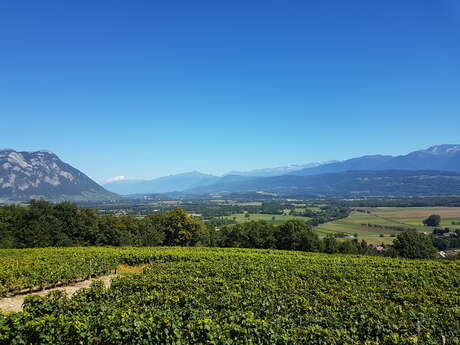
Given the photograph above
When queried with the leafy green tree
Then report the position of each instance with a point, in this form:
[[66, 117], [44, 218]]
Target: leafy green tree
[[110, 231], [349, 247], [209, 237], [253, 234], [295, 234], [259, 234], [433, 220], [150, 232], [230, 236], [307, 241], [414, 245], [330, 244], [180, 229]]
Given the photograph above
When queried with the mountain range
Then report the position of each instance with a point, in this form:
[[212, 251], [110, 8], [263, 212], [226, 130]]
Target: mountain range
[[42, 175], [165, 184], [267, 172], [438, 158], [432, 171], [356, 183]]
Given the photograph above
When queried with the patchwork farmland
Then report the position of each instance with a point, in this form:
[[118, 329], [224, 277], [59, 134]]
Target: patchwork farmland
[[382, 224]]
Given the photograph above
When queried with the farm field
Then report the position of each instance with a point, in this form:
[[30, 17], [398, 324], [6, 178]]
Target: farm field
[[237, 296], [359, 223], [415, 215], [279, 219], [388, 221]]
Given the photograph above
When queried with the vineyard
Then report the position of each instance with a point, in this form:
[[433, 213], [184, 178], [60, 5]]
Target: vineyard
[[231, 296]]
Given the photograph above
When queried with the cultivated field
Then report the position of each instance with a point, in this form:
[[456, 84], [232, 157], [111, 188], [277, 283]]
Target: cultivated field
[[415, 215], [388, 221], [231, 296], [269, 218]]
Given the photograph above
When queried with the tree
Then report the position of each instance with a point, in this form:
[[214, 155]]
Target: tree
[[180, 229], [306, 241], [286, 232], [349, 247], [109, 231], [229, 236], [297, 235], [414, 245], [258, 234], [209, 237], [433, 220], [150, 232], [330, 244]]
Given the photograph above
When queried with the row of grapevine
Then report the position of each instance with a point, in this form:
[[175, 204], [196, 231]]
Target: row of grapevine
[[237, 296]]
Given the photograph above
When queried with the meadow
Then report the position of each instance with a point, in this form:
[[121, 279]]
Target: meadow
[[231, 296]]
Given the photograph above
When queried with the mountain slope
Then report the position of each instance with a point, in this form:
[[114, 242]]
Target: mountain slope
[[164, 184], [349, 183], [42, 175], [440, 157], [267, 172], [374, 162]]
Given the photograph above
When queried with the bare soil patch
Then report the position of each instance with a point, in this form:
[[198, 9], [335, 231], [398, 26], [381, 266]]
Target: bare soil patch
[[14, 303]]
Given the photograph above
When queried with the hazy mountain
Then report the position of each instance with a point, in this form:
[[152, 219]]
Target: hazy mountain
[[266, 172], [42, 175], [164, 184], [349, 183], [440, 157]]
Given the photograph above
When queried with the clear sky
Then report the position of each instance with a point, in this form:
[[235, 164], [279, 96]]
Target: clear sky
[[150, 88]]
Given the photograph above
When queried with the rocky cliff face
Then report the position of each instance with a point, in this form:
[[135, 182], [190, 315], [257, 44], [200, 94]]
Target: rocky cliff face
[[41, 174]]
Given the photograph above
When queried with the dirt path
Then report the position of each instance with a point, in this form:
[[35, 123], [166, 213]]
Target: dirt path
[[15, 303]]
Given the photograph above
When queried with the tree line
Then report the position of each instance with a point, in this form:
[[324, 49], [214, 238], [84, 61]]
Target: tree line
[[291, 235], [44, 224]]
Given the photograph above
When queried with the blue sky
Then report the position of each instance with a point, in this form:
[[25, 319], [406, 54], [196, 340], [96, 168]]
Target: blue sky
[[149, 88]]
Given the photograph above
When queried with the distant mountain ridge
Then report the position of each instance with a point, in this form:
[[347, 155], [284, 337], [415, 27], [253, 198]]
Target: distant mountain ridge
[[347, 184], [267, 172], [435, 170], [165, 184], [441, 157], [42, 175]]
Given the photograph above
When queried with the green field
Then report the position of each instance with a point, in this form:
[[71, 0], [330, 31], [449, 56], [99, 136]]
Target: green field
[[415, 215], [353, 224], [279, 219], [388, 218], [232, 296]]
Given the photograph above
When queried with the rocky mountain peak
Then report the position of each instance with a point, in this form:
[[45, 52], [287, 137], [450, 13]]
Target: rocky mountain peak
[[445, 149], [41, 174]]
